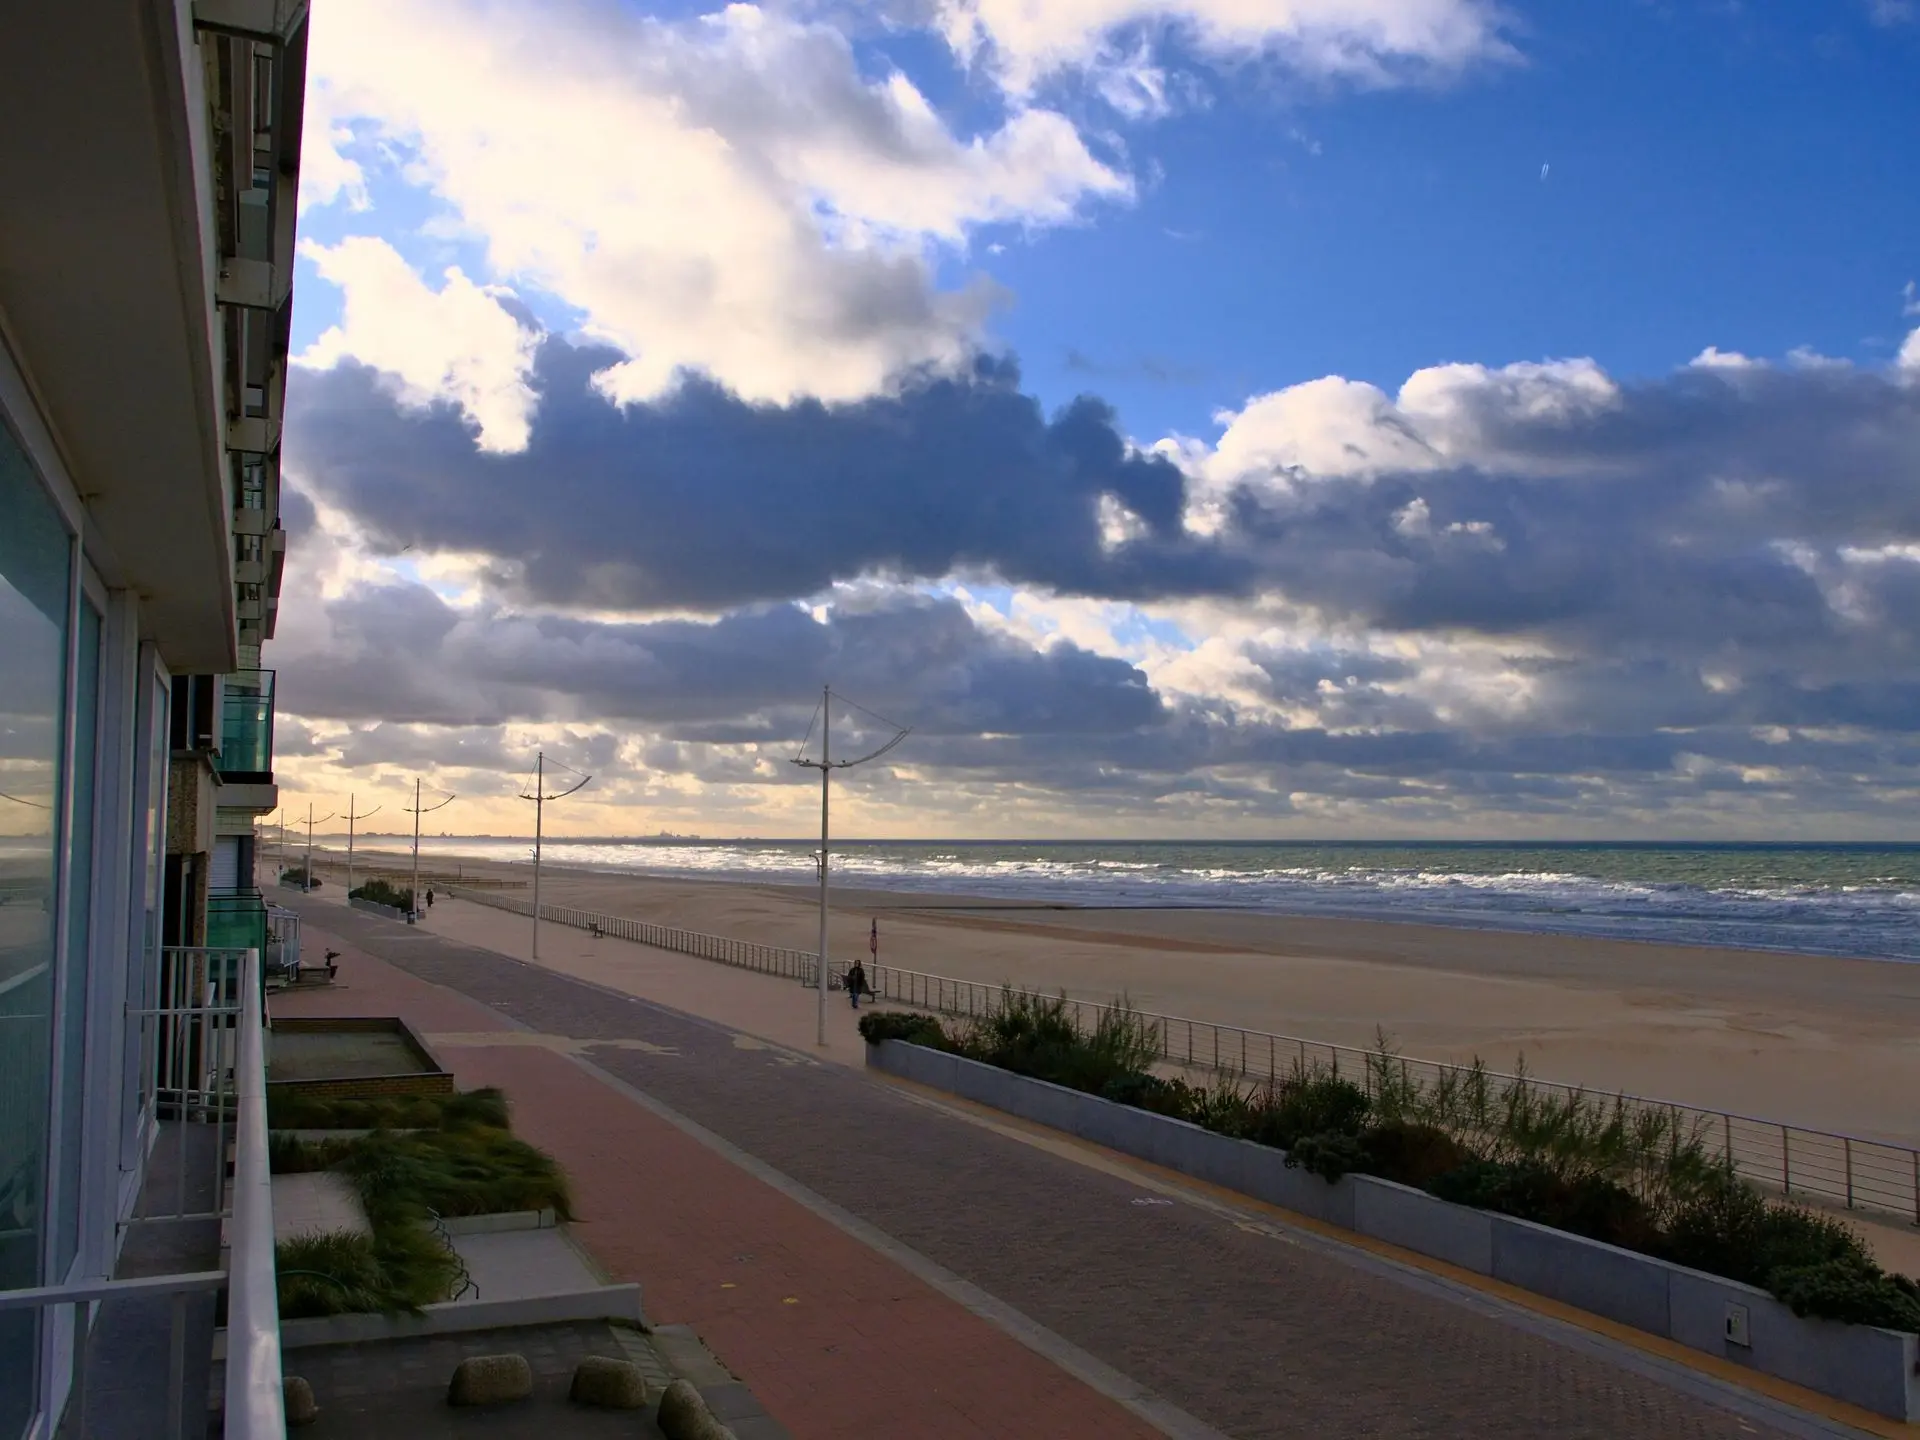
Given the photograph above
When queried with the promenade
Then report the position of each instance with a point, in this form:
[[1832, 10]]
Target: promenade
[[873, 1263]]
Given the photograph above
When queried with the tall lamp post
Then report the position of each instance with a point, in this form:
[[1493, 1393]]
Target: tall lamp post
[[306, 880], [540, 797], [351, 817], [419, 810], [826, 765]]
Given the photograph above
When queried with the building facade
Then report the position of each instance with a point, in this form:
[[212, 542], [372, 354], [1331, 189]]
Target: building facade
[[149, 159]]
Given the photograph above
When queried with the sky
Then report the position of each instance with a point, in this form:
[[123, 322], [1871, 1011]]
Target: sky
[[1193, 418]]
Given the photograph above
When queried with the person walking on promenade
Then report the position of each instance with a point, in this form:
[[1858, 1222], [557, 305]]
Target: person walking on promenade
[[856, 982], [429, 897]]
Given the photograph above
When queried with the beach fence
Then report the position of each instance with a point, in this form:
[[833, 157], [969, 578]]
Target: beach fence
[[1848, 1171]]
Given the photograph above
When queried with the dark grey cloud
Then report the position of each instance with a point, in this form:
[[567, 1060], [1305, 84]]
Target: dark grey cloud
[[399, 653], [1695, 588], [705, 502]]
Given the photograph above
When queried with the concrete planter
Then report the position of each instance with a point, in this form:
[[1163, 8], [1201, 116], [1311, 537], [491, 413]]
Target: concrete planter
[[374, 907], [1865, 1366]]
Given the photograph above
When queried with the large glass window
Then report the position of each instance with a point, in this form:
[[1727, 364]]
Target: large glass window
[[35, 555], [73, 983]]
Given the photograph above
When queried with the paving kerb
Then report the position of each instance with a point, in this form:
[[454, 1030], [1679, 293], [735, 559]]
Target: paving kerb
[[1535, 1402], [953, 1372]]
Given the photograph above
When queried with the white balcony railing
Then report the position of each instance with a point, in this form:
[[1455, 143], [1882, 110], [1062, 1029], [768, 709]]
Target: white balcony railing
[[204, 1047]]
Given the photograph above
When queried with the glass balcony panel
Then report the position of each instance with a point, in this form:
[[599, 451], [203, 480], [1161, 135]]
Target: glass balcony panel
[[236, 920], [246, 724]]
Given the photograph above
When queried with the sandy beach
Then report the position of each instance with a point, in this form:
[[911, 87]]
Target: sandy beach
[[1825, 1043]]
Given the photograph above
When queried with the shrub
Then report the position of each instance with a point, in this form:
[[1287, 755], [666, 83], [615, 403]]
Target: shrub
[[298, 876], [879, 1025], [337, 1272], [1145, 1091], [297, 1110], [1589, 1205], [1306, 1103], [1039, 1036], [381, 892], [1851, 1289], [484, 1106], [1730, 1229], [1329, 1155], [1410, 1153], [470, 1171]]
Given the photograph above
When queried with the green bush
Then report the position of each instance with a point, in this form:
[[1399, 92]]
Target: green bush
[[1041, 1037], [298, 876], [1849, 1288], [878, 1025], [462, 1161], [337, 1273], [470, 1171], [297, 1110], [1329, 1155], [1589, 1205], [381, 892], [1410, 1154]]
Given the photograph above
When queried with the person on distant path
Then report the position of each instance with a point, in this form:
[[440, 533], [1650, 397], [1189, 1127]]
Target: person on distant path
[[429, 897], [856, 982]]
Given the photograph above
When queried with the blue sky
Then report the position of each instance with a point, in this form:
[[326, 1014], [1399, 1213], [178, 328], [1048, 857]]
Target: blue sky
[[1718, 174], [1252, 417], [1716, 177]]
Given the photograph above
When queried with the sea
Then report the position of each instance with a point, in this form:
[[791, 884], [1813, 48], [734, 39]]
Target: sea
[[1841, 899]]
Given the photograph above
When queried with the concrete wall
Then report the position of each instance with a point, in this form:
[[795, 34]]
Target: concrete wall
[[374, 907], [1868, 1367]]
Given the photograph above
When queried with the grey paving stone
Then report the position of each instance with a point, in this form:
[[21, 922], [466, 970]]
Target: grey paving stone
[[1254, 1335]]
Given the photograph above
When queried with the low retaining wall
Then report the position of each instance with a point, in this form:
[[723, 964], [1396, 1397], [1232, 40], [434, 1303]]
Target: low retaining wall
[[374, 907], [619, 1303], [1860, 1364], [432, 1077]]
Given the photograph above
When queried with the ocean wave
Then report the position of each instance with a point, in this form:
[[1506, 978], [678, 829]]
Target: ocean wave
[[1828, 900]]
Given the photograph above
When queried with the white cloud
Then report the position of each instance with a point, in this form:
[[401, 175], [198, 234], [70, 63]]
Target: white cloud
[[1714, 358], [457, 343], [1111, 41], [1330, 426], [730, 194], [1457, 406], [1909, 358]]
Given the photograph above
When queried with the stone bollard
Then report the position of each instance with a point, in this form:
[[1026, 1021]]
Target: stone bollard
[[491, 1380], [297, 1396], [612, 1384], [684, 1415]]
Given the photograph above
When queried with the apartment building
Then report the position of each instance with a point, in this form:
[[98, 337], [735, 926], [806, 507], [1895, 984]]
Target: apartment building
[[149, 158]]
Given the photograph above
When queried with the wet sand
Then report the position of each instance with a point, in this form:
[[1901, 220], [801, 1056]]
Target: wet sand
[[1826, 1043]]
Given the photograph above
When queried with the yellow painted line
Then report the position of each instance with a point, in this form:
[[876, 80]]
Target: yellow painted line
[[1163, 1180]]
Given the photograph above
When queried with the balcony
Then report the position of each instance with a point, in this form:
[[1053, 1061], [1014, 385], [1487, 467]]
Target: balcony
[[139, 1347], [246, 728], [236, 920]]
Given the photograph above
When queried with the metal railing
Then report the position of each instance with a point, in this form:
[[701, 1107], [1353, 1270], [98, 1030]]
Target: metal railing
[[82, 1298], [255, 1399], [1835, 1168], [204, 1046]]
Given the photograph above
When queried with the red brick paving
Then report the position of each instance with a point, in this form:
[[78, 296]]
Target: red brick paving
[[864, 1348]]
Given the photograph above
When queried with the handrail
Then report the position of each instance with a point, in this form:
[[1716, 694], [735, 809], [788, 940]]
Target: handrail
[[92, 1292], [1856, 1171], [255, 1402]]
